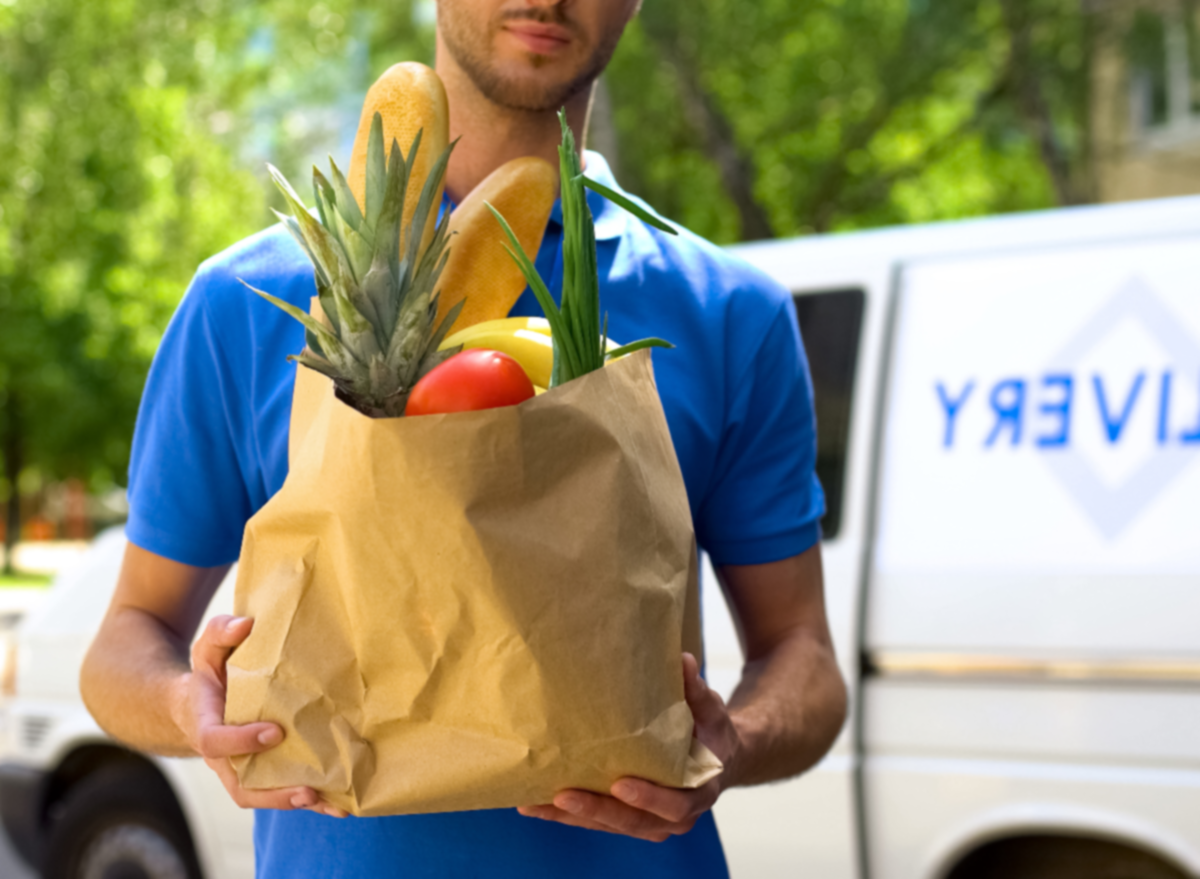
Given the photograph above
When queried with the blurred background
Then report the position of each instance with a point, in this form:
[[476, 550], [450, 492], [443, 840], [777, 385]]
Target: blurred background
[[133, 141], [134, 135]]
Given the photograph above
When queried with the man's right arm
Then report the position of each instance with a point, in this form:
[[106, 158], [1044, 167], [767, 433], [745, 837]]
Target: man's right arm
[[134, 678], [140, 687]]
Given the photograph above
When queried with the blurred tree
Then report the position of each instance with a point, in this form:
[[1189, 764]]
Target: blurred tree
[[791, 116], [111, 192], [1052, 49]]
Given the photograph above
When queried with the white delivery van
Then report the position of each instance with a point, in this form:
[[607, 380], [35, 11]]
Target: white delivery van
[[1009, 427]]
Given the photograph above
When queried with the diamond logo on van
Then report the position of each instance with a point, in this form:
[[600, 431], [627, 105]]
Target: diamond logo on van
[[1114, 508]]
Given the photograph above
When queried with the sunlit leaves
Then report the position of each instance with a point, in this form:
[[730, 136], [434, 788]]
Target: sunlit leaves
[[111, 194], [844, 109]]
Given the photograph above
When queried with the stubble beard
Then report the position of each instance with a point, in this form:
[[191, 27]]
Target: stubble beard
[[470, 50]]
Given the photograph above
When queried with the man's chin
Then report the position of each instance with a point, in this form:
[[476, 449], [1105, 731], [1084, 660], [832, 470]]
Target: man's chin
[[529, 93]]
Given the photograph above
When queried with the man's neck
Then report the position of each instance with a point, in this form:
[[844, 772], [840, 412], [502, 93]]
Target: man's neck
[[491, 135]]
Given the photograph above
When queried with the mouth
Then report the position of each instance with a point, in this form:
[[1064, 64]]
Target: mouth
[[538, 38]]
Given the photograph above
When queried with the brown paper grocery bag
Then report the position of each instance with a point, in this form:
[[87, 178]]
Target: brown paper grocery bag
[[476, 610]]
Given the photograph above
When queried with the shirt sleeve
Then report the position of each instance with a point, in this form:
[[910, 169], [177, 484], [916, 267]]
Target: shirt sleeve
[[765, 502], [187, 494]]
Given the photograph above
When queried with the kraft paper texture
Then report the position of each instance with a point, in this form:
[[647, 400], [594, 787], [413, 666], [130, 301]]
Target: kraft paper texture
[[476, 610]]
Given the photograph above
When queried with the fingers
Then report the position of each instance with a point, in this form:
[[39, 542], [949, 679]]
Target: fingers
[[670, 804], [285, 799], [216, 740], [593, 811], [691, 670], [222, 634], [212, 737], [707, 706], [558, 816], [641, 808]]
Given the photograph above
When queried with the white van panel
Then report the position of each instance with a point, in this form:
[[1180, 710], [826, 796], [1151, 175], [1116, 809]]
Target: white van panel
[[1042, 454], [1120, 725], [1056, 396], [1036, 577], [925, 813], [1095, 476], [991, 613], [793, 828]]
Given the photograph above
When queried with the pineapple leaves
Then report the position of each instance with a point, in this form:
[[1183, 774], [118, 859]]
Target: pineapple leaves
[[357, 248], [344, 199], [323, 196], [329, 307], [447, 322], [314, 344], [376, 171], [318, 363], [375, 272], [323, 249], [293, 228], [436, 357], [419, 271], [430, 193], [379, 280], [347, 232], [330, 343]]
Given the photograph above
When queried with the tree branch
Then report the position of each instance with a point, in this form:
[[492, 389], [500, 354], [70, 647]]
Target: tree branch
[[716, 133], [1033, 107], [12, 469]]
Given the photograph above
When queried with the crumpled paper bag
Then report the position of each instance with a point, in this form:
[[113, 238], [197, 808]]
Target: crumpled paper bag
[[476, 610]]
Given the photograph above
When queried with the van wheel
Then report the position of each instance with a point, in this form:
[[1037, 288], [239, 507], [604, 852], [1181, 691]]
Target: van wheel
[[120, 822], [1062, 857]]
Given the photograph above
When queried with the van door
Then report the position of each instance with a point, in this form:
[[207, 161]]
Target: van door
[[1033, 614]]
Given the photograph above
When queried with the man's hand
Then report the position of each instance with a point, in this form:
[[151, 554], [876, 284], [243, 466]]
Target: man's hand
[[200, 713], [646, 810], [783, 716], [137, 682]]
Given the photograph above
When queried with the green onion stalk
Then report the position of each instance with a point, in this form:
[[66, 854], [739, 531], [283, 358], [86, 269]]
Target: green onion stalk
[[580, 339]]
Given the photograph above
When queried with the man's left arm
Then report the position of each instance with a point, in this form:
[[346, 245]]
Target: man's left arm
[[783, 717]]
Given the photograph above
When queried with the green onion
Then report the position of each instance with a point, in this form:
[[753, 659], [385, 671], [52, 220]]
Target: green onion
[[580, 341]]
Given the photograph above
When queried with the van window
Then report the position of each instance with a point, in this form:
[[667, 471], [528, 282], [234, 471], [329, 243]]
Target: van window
[[830, 324]]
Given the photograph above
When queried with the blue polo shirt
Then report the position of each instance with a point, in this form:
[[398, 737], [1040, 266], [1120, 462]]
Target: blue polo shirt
[[210, 449]]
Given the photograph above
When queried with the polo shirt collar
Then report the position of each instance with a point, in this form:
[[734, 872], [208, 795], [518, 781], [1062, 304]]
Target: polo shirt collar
[[610, 219]]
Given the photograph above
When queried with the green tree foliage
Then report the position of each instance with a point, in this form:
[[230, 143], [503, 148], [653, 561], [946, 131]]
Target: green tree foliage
[[1047, 81], [790, 116], [111, 192], [134, 134]]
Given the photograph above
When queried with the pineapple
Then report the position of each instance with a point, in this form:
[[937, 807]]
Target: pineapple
[[375, 279]]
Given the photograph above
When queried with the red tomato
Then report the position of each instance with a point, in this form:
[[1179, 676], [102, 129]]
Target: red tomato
[[470, 380]]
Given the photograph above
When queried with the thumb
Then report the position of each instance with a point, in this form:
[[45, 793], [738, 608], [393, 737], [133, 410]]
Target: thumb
[[217, 641], [706, 703]]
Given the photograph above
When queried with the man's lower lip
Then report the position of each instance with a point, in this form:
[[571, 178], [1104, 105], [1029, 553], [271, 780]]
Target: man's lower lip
[[539, 45]]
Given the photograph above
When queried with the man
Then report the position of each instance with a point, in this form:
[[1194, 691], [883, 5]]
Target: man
[[211, 448]]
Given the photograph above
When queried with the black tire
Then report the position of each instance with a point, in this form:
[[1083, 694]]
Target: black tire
[[1049, 857], [120, 822]]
